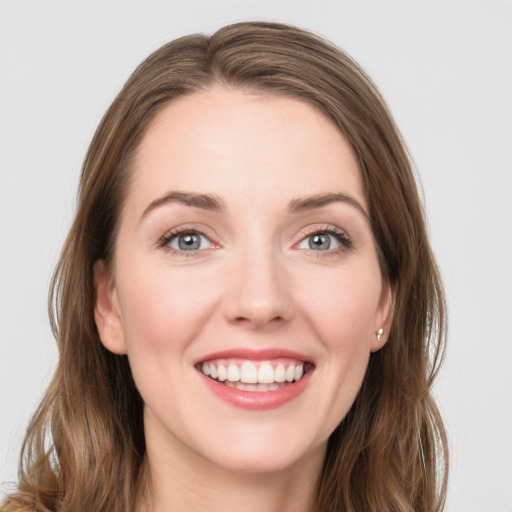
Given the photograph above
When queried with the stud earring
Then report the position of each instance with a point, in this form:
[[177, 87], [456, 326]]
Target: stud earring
[[380, 332]]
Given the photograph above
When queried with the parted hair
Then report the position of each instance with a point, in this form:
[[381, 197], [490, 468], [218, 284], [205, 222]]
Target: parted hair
[[84, 449]]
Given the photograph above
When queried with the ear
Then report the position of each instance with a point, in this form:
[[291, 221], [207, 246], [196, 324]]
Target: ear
[[383, 318], [107, 311]]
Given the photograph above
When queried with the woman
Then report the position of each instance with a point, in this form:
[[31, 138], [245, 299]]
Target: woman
[[247, 308]]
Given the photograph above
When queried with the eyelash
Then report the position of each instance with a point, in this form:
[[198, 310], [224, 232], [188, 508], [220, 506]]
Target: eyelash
[[328, 229], [166, 239]]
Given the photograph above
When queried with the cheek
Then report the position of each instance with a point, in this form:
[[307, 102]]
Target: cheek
[[163, 309], [342, 307], [163, 312], [341, 311]]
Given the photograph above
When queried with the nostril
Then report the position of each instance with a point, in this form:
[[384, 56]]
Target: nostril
[[259, 321]]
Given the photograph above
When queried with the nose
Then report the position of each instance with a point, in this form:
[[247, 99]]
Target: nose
[[258, 291]]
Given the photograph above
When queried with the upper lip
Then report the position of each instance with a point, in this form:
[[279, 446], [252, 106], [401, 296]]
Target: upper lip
[[256, 355]]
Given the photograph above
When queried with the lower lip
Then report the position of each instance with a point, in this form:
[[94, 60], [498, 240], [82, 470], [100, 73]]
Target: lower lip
[[258, 400]]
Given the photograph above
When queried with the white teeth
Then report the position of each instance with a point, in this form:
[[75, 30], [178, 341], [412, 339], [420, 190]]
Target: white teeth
[[280, 373], [249, 373], [233, 373], [222, 373], [266, 374]]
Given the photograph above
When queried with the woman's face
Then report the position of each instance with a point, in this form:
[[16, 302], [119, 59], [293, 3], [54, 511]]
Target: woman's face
[[244, 260]]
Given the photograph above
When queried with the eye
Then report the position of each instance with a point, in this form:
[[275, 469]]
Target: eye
[[326, 240], [187, 241]]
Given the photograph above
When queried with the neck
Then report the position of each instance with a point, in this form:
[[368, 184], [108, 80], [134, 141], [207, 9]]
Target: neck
[[178, 483]]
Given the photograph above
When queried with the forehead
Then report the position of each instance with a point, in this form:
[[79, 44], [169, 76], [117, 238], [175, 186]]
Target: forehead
[[240, 144]]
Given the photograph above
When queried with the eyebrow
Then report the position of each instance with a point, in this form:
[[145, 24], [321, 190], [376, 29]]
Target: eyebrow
[[317, 201], [212, 202], [203, 201]]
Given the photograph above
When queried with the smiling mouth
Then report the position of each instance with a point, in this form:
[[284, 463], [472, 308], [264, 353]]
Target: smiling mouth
[[250, 375]]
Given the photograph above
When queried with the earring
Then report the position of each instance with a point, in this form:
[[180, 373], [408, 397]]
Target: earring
[[380, 332]]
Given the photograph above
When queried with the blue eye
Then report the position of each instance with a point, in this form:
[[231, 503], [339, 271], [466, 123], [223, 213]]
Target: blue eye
[[325, 241], [319, 242], [189, 241]]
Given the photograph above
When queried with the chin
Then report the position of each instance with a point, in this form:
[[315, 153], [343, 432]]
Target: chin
[[260, 454], [259, 464]]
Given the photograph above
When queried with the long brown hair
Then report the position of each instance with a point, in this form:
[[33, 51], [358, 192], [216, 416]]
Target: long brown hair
[[85, 449]]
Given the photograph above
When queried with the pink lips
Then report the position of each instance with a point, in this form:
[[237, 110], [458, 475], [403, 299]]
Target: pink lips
[[258, 400], [255, 355]]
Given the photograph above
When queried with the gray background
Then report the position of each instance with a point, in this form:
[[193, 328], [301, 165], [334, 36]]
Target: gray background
[[445, 68]]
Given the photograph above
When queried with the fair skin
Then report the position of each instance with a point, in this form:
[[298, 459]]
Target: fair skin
[[244, 231]]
